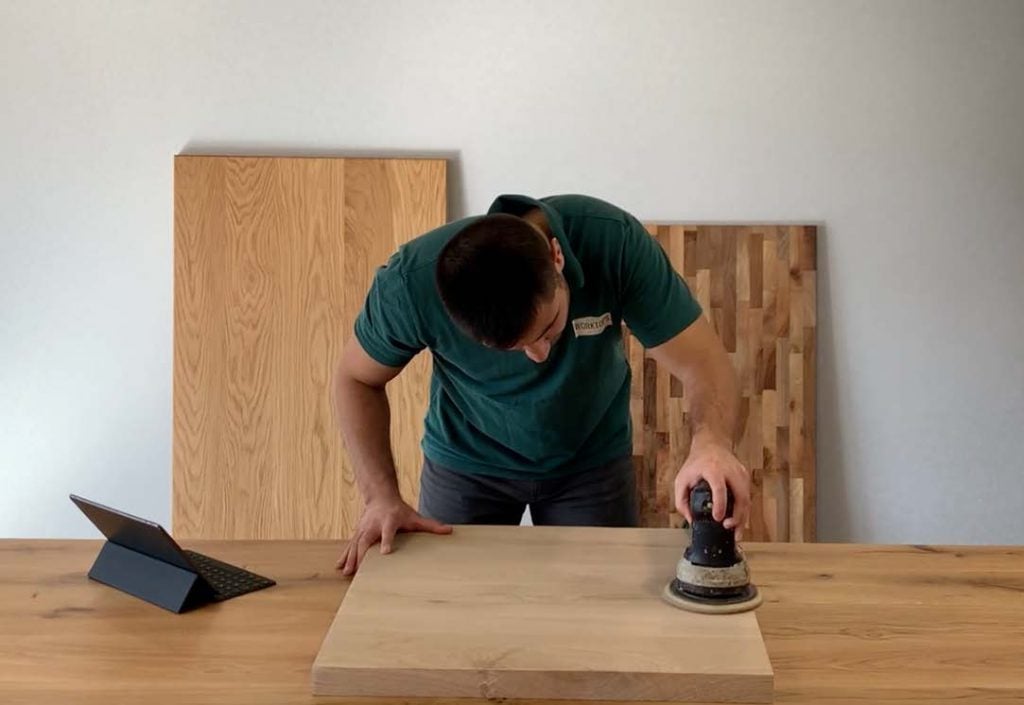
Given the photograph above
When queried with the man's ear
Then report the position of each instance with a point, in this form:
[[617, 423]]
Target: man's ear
[[556, 255]]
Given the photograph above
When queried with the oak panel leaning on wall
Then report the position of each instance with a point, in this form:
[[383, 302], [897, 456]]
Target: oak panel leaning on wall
[[272, 261], [756, 285]]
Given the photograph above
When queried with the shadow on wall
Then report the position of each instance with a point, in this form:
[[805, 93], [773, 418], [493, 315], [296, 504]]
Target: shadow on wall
[[456, 190], [832, 508]]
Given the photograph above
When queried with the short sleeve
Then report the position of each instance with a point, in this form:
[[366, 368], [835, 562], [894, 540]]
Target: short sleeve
[[387, 325], [657, 304]]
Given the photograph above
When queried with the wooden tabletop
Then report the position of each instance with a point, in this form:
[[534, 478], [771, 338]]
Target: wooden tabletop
[[842, 624]]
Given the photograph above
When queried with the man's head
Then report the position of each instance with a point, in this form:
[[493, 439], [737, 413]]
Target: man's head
[[501, 280]]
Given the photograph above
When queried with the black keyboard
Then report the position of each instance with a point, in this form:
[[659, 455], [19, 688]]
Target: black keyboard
[[227, 580]]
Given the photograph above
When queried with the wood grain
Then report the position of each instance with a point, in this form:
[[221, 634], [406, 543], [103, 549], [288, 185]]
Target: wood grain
[[843, 624], [536, 612], [757, 287], [273, 257]]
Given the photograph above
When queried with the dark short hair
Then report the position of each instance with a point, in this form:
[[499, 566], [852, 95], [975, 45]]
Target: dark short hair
[[493, 275]]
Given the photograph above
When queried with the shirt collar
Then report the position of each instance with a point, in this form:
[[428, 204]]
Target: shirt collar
[[514, 204]]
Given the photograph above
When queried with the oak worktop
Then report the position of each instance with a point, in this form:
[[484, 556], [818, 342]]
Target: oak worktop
[[842, 624]]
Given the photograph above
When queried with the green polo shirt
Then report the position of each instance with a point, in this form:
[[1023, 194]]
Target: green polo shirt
[[494, 412]]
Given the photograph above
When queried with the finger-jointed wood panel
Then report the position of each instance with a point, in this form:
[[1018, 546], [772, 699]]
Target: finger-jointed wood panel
[[756, 285], [273, 258]]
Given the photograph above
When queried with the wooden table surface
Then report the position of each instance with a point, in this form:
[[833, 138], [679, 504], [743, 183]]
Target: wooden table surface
[[842, 624]]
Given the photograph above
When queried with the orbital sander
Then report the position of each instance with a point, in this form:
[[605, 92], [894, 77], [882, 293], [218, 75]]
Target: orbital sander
[[712, 577]]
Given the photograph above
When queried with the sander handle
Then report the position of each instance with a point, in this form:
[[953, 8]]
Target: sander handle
[[711, 544]]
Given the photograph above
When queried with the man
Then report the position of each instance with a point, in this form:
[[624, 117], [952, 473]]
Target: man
[[529, 400]]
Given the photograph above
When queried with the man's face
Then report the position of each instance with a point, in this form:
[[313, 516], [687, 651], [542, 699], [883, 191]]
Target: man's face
[[547, 326]]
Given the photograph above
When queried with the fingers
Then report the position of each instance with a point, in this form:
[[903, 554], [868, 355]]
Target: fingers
[[349, 566], [383, 527], [740, 484], [719, 499], [435, 527], [357, 548], [365, 541], [387, 535], [343, 558], [683, 501], [683, 505], [738, 520], [740, 511]]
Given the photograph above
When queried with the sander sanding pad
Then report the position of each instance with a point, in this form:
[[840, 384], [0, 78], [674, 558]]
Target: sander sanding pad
[[704, 607]]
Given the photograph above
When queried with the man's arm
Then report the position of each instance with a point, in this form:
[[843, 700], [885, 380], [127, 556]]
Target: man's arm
[[364, 416], [697, 358]]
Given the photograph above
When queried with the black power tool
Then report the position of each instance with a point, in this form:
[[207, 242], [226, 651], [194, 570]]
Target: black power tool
[[712, 576]]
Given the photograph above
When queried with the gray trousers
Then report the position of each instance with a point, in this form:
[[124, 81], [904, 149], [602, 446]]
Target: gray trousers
[[603, 496]]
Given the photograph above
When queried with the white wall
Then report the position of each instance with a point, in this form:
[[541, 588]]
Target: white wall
[[897, 125]]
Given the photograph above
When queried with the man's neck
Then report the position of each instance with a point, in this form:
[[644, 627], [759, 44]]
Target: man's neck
[[535, 216]]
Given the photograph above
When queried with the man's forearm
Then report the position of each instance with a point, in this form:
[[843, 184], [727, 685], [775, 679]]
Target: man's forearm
[[697, 358], [364, 416], [714, 405]]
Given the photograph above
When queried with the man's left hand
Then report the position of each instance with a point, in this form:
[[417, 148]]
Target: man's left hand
[[714, 462]]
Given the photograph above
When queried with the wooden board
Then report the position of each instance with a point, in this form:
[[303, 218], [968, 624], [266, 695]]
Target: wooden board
[[535, 612], [272, 261], [757, 287]]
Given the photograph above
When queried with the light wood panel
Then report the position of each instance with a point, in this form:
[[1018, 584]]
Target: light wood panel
[[843, 624], [536, 612], [273, 257], [757, 285]]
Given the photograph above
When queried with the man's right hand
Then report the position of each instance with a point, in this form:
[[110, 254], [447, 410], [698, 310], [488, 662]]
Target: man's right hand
[[381, 520]]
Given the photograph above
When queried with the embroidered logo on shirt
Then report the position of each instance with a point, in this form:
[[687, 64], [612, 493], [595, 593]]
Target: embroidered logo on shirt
[[591, 325]]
